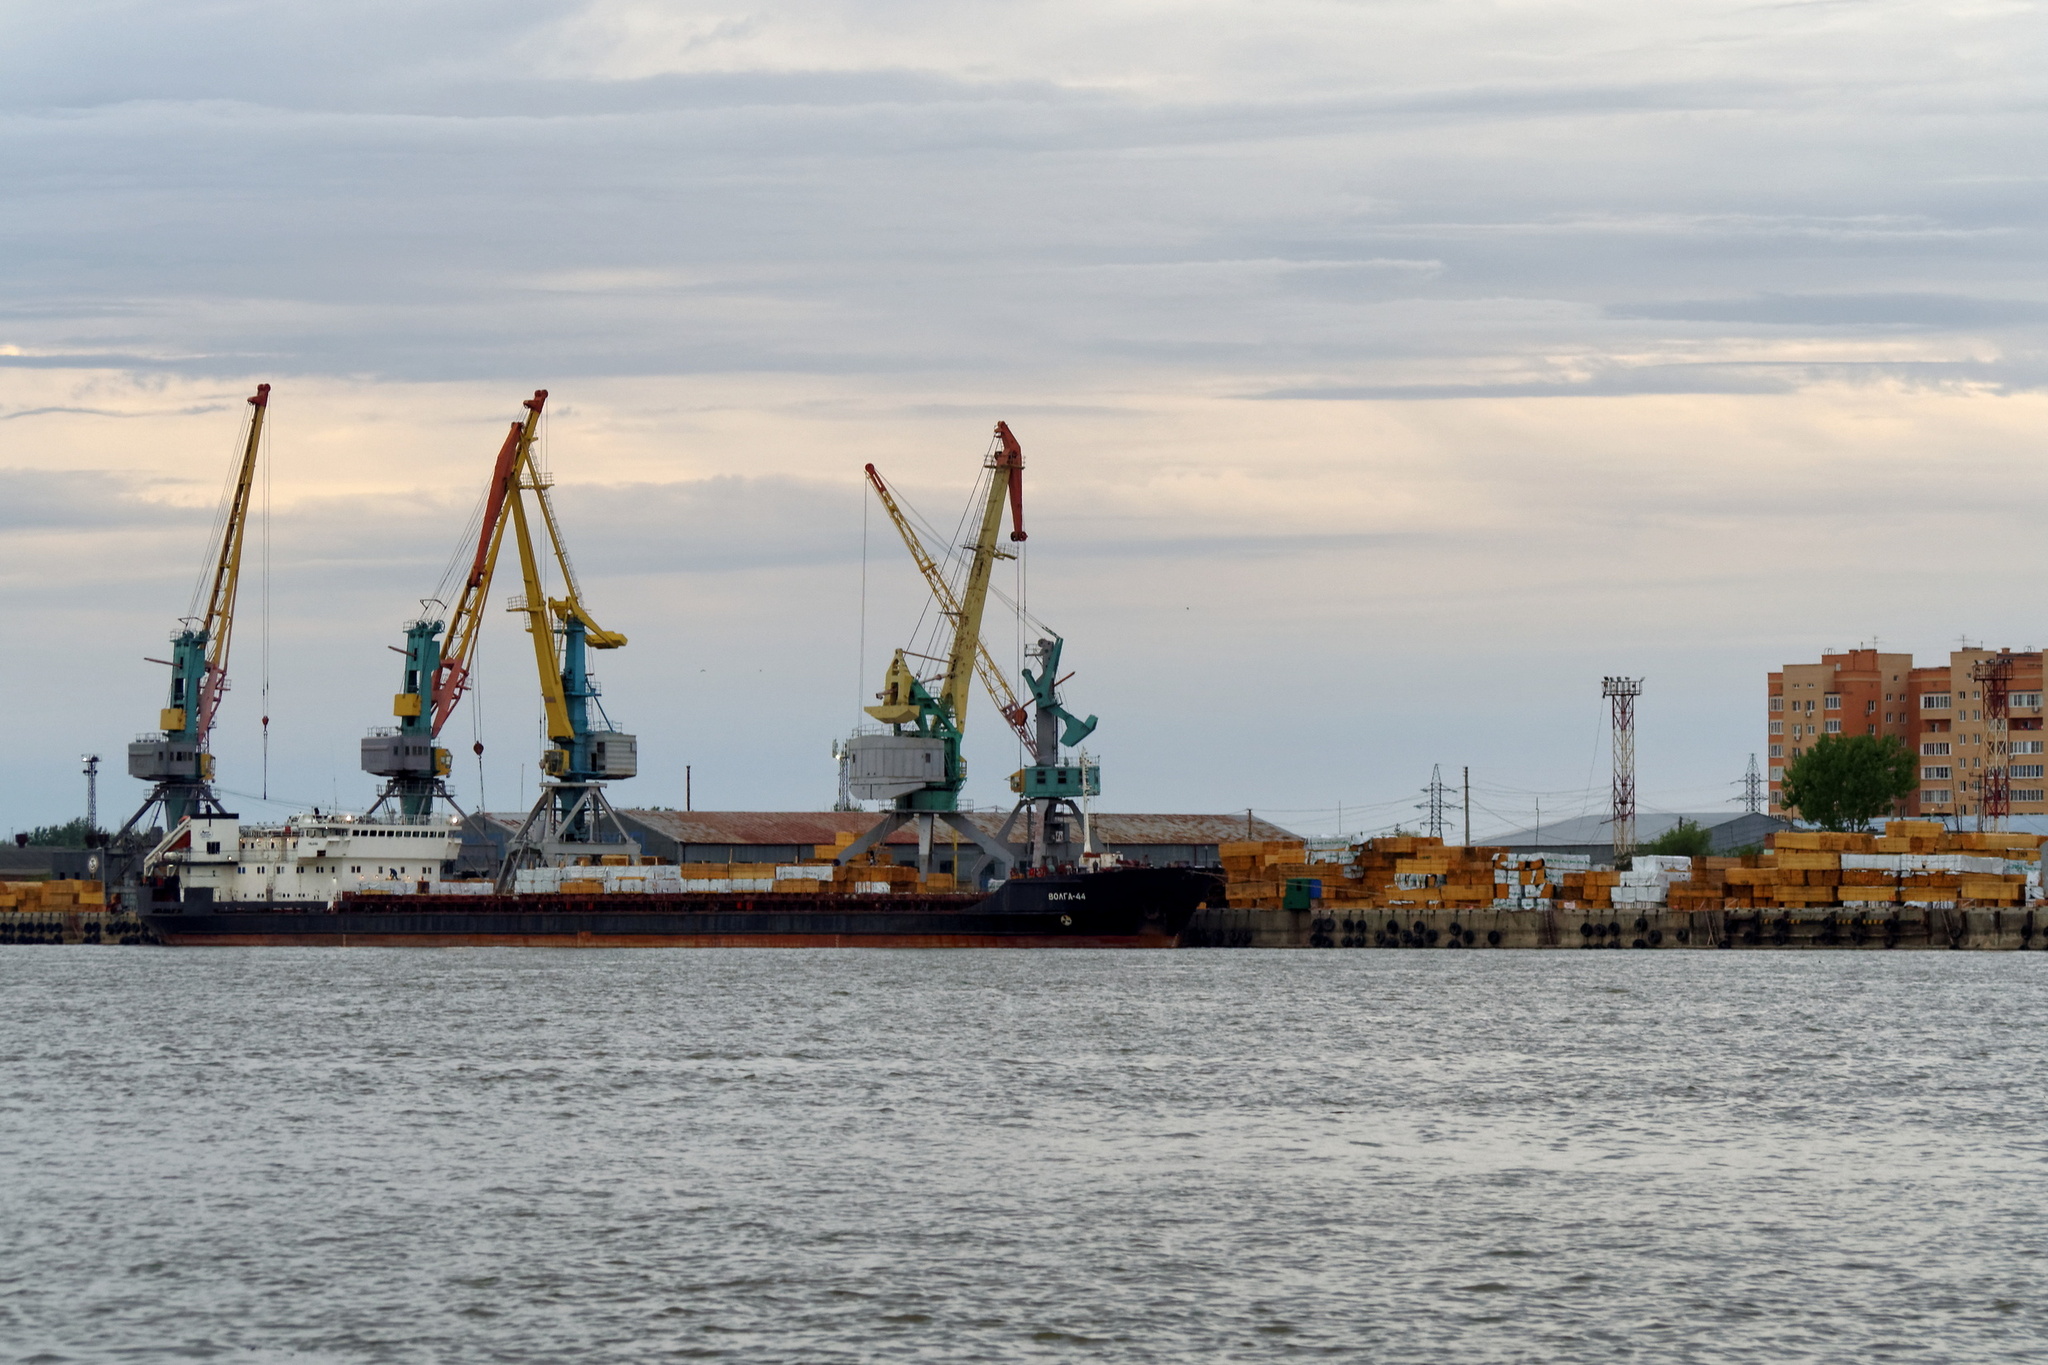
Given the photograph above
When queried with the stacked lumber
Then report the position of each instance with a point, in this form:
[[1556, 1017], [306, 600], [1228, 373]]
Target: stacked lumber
[[36, 898], [1914, 862], [1252, 870], [1395, 870], [1591, 890]]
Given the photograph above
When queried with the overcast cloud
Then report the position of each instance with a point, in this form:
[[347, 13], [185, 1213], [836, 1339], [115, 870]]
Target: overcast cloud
[[1388, 372]]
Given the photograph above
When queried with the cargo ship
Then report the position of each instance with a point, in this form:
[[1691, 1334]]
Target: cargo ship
[[320, 885]]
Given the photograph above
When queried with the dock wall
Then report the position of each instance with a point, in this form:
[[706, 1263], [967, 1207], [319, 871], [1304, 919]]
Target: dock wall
[[1981, 929]]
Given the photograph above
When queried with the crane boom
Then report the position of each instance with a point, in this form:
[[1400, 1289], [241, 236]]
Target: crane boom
[[984, 662], [218, 625], [451, 676], [1007, 460], [534, 602]]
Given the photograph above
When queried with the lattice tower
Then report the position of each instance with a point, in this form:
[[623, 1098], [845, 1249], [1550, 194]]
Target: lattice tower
[[1994, 801], [1621, 694], [1438, 793]]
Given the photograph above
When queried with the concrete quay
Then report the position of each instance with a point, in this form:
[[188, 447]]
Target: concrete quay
[[1875, 928]]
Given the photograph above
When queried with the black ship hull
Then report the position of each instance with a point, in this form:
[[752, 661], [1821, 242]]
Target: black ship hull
[[1139, 907]]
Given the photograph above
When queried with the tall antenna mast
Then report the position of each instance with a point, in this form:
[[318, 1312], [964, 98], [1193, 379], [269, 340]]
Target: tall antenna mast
[[1753, 789], [1621, 694]]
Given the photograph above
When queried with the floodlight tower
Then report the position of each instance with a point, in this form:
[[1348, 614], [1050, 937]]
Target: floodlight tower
[[92, 795], [1621, 694]]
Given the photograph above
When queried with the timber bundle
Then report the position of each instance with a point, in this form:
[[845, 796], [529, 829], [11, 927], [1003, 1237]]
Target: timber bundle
[[36, 898], [1914, 862]]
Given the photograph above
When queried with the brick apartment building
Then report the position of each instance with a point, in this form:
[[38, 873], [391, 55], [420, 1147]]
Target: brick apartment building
[[1938, 713]]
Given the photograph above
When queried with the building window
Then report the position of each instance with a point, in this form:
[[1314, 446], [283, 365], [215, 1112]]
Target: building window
[[2028, 770], [1934, 750], [1834, 726], [1870, 729], [1934, 701], [1777, 703], [1809, 706], [2026, 699], [1777, 727], [1834, 701], [1777, 751], [1936, 773], [1937, 796], [1777, 774], [1870, 708], [2028, 794], [2026, 746]]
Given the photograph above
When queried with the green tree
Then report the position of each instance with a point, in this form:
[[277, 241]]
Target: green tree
[[1687, 838], [70, 834], [1843, 782]]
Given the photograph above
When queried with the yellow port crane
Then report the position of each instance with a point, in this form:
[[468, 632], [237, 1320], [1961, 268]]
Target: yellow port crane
[[572, 819], [436, 678], [918, 766], [572, 814], [176, 762]]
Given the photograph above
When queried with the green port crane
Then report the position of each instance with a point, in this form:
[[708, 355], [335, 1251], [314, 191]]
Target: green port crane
[[175, 761], [918, 766], [572, 818], [408, 755]]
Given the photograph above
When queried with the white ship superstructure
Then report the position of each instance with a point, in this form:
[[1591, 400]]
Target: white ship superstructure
[[314, 859]]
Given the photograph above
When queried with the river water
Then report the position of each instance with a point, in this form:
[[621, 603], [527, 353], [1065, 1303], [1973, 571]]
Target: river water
[[362, 1155]]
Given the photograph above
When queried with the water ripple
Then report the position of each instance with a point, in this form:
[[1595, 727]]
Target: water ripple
[[503, 1155]]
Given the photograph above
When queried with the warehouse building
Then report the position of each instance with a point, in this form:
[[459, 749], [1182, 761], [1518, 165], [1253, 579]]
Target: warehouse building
[[1592, 836]]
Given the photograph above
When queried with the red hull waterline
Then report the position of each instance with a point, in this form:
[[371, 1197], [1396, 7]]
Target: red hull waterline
[[586, 940]]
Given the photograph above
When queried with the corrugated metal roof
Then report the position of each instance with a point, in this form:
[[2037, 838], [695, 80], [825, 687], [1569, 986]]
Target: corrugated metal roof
[[773, 828], [1596, 829]]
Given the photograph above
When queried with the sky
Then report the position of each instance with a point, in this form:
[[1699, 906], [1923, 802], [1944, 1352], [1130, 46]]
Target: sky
[[1387, 373]]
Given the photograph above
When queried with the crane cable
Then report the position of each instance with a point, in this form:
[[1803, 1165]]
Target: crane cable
[[263, 650], [861, 677]]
